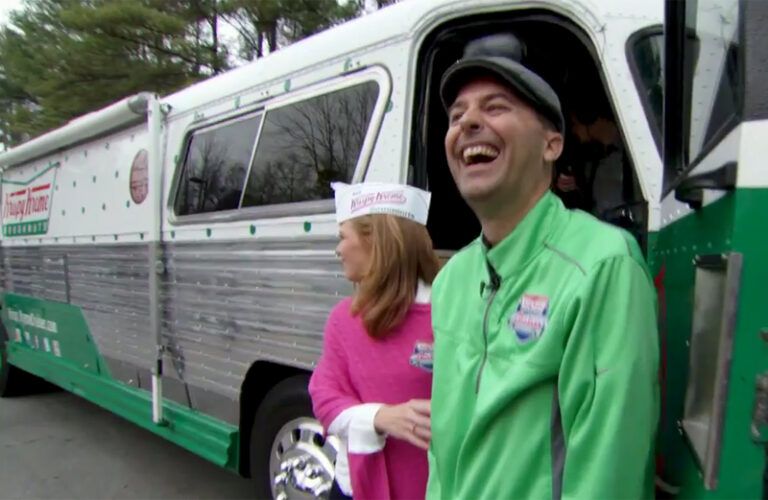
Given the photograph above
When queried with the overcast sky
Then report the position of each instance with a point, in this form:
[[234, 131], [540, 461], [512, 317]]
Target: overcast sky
[[6, 6]]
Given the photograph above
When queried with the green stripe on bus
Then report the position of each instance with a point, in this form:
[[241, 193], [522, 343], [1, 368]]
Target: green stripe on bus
[[25, 228]]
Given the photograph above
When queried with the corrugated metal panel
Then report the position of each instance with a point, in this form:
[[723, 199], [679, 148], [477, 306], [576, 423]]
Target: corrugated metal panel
[[36, 271], [224, 304], [109, 284], [229, 304]]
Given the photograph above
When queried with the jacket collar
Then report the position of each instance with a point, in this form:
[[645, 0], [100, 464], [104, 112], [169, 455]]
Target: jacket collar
[[525, 242]]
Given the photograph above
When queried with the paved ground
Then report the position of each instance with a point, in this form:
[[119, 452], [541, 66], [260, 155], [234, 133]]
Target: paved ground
[[58, 446]]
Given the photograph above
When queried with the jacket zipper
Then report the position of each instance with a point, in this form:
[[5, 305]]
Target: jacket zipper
[[494, 285]]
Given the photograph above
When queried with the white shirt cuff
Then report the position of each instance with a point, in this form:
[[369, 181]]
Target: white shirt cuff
[[355, 426]]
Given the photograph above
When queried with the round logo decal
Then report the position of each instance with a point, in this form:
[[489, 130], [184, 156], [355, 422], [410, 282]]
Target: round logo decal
[[139, 178]]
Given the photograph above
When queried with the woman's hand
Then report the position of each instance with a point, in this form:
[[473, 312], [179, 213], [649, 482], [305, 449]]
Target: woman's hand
[[408, 421]]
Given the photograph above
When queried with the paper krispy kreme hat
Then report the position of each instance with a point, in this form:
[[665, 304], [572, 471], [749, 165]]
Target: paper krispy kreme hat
[[355, 200]]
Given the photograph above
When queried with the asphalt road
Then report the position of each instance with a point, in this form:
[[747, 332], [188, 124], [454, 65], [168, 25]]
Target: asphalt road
[[58, 446]]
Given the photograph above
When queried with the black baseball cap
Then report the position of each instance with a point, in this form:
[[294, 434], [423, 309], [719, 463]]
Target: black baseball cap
[[499, 56]]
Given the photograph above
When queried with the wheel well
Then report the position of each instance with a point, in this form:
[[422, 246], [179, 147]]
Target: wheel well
[[261, 377], [13, 380]]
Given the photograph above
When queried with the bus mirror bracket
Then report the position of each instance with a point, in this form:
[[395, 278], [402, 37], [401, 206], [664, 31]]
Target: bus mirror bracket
[[691, 189]]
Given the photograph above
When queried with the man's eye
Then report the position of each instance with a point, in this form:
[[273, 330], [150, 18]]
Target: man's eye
[[454, 117]]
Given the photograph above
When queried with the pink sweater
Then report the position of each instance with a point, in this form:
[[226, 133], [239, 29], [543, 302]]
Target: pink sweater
[[354, 369]]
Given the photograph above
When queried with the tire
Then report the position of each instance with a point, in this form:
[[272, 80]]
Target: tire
[[290, 458]]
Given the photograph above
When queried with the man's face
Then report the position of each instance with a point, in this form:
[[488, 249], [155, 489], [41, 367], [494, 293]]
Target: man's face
[[497, 146]]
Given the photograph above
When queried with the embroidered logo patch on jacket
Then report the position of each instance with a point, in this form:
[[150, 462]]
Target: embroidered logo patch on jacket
[[530, 318], [422, 356]]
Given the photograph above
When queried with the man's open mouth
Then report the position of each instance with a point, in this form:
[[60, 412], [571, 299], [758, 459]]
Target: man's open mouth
[[483, 153]]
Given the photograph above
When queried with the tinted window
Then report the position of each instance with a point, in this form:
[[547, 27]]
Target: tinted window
[[215, 167], [647, 54], [306, 145], [713, 77]]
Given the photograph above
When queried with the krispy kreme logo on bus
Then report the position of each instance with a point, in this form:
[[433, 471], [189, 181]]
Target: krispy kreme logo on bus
[[30, 202], [380, 198], [26, 208]]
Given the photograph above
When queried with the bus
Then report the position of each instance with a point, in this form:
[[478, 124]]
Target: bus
[[171, 258]]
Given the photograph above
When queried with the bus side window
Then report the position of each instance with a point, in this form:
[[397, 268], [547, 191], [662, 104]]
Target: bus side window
[[215, 166], [309, 144]]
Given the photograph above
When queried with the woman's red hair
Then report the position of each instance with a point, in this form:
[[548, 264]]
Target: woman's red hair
[[401, 255]]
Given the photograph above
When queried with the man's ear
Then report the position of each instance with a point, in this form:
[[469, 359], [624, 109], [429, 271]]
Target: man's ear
[[553, 145]]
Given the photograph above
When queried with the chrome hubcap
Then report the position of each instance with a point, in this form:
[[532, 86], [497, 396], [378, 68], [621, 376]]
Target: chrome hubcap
[[301, 465]]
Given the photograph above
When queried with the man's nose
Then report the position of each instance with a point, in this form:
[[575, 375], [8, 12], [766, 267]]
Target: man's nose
[[470, 120]]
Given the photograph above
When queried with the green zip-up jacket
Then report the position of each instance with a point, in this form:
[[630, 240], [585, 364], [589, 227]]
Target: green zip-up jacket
[[545, 364]]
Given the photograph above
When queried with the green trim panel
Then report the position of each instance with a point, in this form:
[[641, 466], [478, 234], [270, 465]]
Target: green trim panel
[[55, 328], [733, 223], [207, 437], [31, 179], [52, 340]]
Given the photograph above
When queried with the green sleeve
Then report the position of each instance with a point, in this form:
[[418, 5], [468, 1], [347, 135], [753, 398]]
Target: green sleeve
[[608, 385]]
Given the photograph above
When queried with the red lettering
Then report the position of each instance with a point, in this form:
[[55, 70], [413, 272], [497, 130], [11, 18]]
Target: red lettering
[[28, 205], [32, 204], [15, 209]]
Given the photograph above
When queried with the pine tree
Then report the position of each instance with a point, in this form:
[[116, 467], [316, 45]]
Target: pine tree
[[62, 58]]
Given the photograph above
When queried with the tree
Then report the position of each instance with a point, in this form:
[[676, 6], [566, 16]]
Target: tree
[[62, 58], [14, 103], [266, 25], [303, 18]]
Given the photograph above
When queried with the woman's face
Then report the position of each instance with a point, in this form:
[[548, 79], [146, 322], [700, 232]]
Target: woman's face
[[353, 253]]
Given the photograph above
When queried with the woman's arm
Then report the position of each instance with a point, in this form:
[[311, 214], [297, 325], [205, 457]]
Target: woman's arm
[[331, 386]]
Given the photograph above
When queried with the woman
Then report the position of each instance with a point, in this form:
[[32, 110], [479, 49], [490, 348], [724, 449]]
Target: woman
[[372, 384]]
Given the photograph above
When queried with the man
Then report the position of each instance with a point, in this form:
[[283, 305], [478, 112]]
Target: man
[[545, 355]]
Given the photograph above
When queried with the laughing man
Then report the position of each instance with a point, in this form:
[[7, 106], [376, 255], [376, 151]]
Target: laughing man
[[546, 350]]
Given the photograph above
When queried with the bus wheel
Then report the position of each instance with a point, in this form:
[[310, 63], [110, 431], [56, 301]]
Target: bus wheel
[[290, 457]]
